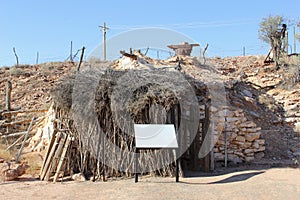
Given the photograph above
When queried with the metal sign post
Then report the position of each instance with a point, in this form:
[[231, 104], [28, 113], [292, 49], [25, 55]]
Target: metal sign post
[[155, 136]]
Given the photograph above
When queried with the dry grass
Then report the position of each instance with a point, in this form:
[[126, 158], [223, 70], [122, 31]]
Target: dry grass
[[6, 155], [34, 160]]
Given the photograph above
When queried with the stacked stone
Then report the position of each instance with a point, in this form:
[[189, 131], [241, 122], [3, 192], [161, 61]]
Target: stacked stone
[[243, 138]]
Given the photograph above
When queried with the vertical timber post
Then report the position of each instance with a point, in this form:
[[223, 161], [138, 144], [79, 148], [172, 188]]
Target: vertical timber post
[[8, 95], [136, 176]]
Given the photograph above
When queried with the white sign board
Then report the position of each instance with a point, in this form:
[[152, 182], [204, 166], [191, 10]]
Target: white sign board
[[155, 136]]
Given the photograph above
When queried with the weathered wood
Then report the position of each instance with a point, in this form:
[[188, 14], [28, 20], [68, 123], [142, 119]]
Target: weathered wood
[[205, 49], [16, 122], [24, 141], [17, 59], [57, 155], [62, 157], [205, 127], [81, 58], [13, 144], [14, 134], [6, 113], [132, 56], [49, 155], [8, 95]]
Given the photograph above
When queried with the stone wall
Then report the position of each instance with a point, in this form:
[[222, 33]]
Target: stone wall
[[244, 141]]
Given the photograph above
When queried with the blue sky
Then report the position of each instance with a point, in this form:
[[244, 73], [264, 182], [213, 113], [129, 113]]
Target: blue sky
[[48, 27]]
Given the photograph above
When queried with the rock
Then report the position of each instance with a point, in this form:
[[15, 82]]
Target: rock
[[247, 151], [251, 130], [261, 148], [246, 145], [248, 124], [240, 138], [255, 114], [233, 136], [232, 119], [234, 158], [252, 136], [219, 156], [260, 141], [294, 149], [297, 127], [296, 153], [259, 155], [247, 93], [10, 171], [255, 145], [238, 143], [249, 159], [78, 177], [240, 154]]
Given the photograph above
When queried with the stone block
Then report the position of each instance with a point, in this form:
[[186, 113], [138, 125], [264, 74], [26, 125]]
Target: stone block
[[252, 136]]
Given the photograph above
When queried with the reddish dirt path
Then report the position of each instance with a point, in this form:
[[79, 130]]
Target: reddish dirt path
[[276, 183]]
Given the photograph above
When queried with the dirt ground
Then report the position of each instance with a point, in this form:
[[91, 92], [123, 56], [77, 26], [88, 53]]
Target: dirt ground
[[269, 183]]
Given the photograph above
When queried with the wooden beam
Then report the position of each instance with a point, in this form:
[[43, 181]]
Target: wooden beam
[[8, 95], [13, 144], [6, 113], [14, 134], [57, 154], [49, 155], [16, 122], [62, 157], [24, 141]]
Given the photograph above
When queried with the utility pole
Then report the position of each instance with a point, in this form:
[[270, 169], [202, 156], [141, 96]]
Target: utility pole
[[104, 29]]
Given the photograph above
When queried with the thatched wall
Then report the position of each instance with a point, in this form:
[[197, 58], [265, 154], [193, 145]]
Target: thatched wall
[[102, 107]]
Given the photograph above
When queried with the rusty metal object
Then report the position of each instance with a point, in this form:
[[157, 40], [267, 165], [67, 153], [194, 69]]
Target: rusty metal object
[[183, 49]]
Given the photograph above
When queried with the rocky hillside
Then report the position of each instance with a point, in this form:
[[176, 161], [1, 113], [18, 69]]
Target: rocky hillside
[[31, 84], [261, 95]]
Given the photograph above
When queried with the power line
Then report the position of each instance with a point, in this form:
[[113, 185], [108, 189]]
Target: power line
[[188, 25]]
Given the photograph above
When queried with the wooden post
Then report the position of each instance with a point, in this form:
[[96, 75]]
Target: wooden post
[[62, 157], [56, 157], [49, 155], [81, 58], [136, 157], [24, 141], [205, 127], [17, 59], [8, 95], [37, 58], [71, 51], [212, 140], [205, 49]]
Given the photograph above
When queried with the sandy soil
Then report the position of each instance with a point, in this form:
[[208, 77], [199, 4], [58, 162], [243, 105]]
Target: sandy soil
[[274, 183]]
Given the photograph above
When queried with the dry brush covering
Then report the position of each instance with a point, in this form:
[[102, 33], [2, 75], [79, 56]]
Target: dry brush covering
[[102, 107]]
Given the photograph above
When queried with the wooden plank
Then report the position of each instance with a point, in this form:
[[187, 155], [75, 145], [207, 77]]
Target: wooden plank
[[62, 157], [16, 122], [13, 144], [205, 127], [49, 158], [14, 134], [57, 155], [24, 141], [48, 151], [6, 113]]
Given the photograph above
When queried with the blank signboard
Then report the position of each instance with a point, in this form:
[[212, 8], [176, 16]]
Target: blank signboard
[[155, 136]]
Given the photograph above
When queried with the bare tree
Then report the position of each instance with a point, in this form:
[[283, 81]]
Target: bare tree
[[272, 31]]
